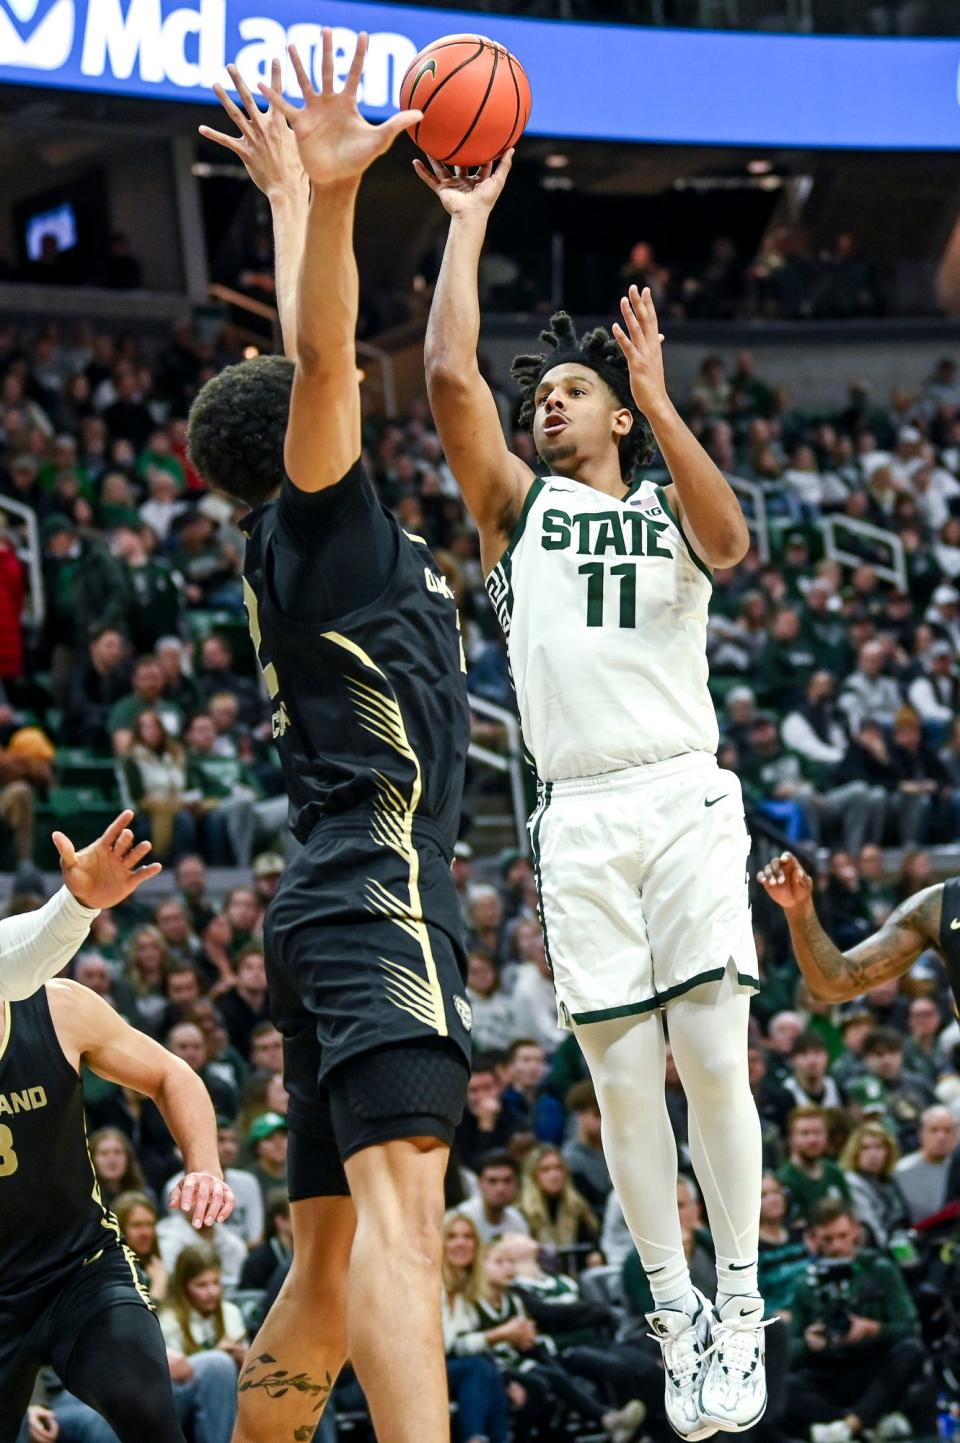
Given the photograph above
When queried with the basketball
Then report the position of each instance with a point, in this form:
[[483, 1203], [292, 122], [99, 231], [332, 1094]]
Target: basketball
[[475, 98]]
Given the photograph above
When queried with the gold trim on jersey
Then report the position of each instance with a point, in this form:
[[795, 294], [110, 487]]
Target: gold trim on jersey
[[109, 1222], [7, 1024], [378, 712], [253, 619]]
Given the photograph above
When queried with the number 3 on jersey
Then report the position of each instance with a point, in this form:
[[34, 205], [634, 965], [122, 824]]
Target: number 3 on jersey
[[9, 1162]]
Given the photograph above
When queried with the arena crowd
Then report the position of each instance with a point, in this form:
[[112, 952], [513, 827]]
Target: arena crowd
[[837, 692]]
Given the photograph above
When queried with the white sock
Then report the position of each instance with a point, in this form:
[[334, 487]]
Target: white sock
[[671, 1286], [736, 1278], [688, 1303]]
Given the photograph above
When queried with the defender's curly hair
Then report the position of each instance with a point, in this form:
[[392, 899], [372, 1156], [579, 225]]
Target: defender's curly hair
[[599, 352], [236, 428]]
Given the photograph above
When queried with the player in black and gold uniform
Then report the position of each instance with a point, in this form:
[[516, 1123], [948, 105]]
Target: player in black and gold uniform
[[930, 919], [70, 1291], [357, 635]]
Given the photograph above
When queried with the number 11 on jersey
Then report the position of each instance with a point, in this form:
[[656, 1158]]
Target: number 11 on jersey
[[594, 571]]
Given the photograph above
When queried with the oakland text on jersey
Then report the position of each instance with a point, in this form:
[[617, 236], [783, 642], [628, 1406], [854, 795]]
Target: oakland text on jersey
[[26, 1099]]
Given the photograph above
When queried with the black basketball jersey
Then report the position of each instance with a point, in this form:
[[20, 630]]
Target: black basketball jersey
[[950, 934], [51, 1216], [369, 709]]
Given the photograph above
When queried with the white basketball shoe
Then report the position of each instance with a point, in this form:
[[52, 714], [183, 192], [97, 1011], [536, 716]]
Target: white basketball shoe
[[733, 1394], [684, 1341]]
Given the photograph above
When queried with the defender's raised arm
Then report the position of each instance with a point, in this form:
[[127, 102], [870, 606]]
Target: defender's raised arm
[[268, 148], [835, 976], [336, 145]]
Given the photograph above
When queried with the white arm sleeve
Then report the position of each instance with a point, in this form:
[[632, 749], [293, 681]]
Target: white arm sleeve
[[37, 945]]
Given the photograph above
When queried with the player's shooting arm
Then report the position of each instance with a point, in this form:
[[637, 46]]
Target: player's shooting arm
[[835, 976], [91, 1033], [705, 502], [494, 482]]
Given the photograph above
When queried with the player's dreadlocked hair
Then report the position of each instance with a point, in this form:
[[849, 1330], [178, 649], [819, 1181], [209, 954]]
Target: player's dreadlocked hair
[[599, 352], [237, 425]]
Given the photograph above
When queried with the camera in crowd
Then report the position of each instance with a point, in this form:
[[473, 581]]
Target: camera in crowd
[[830, 1279]]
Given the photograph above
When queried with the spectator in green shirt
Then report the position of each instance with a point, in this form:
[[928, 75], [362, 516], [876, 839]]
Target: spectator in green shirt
[[224, 792], [147, 695], [856, 1339], [154, 592], [809, 1176]]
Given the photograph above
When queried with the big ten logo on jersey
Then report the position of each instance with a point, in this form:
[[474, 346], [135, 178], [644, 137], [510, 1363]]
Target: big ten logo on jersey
[[602, 533]]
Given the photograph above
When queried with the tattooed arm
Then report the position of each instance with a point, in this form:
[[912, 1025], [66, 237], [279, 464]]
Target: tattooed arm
[[835, 976]]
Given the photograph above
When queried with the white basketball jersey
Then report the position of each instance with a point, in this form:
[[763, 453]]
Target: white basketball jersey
[[604, 607]]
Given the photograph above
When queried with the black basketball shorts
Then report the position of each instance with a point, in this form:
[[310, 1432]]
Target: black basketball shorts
[[367, 974]]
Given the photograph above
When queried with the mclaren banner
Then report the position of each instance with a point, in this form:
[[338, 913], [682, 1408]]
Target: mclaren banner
[[589, 81]]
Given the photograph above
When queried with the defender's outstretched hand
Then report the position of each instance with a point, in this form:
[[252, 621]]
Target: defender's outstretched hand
[[334, 140], [461, 191], [107, 871], [785, 881], [641, 342], [266, 144]]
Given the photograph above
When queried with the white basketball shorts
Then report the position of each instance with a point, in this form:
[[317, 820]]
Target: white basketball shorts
[[643, 886]]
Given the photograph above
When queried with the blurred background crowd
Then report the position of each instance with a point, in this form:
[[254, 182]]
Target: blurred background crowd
[[836, 683]]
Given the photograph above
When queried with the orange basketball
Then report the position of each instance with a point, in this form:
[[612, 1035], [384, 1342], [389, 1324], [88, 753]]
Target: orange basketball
[[475, 98]]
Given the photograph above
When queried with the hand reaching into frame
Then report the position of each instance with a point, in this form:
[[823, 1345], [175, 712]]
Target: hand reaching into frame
[[266, 144], [335, 143], [786, 883], [108, 870]]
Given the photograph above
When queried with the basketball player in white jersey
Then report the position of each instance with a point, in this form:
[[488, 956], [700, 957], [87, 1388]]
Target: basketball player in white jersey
[[602, 581]]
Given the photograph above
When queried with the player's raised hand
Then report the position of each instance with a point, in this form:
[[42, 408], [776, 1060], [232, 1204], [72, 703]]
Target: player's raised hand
[[206, 1196], [462, 191], [334, 140], [640, 341], [785, 882], [266, 144], [107, 871]]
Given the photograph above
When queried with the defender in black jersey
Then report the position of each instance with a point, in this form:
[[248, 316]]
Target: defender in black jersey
[[357, 635], [930, 919], [71, 1294]]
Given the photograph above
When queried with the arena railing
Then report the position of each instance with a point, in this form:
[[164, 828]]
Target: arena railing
[[509, 763], [895, 573], [366, 353], [755, 513]]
